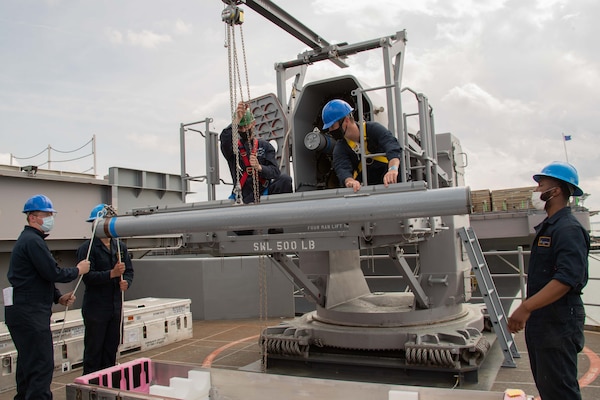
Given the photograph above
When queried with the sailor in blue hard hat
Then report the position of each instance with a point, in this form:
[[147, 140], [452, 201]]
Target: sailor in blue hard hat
[[553, 314], [557, 174], [40, 207], [335, 111], [32, 274], [562, 171], [111, 275], [97, 212], [381, 145]]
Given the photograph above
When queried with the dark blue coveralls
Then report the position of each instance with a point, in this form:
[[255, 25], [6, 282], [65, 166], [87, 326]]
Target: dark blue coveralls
[[276, 182], [379, 140], [32, 273], [101, 308], [554, 334]]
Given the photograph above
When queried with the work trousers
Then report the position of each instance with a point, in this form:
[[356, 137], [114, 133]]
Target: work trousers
[[30, 332], [553, 344], [281, 184], [101, 341]]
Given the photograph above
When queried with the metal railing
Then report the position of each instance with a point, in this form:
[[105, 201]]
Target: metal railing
[[77, 154], [519, 269]]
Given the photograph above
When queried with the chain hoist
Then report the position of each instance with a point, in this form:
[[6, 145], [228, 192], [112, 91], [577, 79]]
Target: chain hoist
[[234, 16], [263, 305]]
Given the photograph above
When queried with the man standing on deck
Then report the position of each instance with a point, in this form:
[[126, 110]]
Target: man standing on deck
[[553, 314], [32, 273], [111, 274]]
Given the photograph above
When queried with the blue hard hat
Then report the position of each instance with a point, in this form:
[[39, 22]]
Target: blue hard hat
[[39, 202], [563, 172], [333, 111], [97, 212]]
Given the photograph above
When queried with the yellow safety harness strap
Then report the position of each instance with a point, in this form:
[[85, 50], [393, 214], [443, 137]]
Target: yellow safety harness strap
[[356, 147]]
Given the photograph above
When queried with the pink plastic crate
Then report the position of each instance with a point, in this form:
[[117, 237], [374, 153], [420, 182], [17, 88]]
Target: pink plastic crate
[[133, 375]]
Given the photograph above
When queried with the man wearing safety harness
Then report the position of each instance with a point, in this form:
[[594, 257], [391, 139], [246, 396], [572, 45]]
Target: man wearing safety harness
[[339, 121], [553, 314], [111, 274], [256, 157], [32, 273]]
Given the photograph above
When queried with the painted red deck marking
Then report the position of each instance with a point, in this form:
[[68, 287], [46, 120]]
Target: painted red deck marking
[[211, 357], [594, 370]]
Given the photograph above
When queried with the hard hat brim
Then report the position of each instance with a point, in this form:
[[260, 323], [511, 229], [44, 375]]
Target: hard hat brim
[[576, 189]]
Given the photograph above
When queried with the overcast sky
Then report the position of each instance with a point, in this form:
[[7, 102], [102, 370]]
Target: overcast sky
[[507, 78]]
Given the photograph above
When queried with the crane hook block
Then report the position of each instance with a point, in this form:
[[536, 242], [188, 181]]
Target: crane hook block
[[232, 15]]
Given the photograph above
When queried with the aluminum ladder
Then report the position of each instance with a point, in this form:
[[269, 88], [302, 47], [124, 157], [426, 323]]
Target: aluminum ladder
[[490, 296]]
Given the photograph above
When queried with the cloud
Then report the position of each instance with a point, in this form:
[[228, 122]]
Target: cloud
[[459, 33], [144, 38], [570, 16], [433, 8], [581, 71], [147, 39], [545, 11], [114, 36], [182, 28], [152, 142], [471, 95]]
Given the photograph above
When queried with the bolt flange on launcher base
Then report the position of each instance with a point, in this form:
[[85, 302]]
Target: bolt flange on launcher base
[[455, 345]]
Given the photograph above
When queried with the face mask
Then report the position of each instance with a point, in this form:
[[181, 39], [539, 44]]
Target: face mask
[[48, 223], [338, 133], [538, 202], [244, 135]]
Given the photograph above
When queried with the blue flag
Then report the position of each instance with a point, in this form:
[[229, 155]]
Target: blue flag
[[567, 137]]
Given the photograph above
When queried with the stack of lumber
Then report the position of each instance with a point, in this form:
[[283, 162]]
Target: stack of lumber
[[481, 200], [512, 199]]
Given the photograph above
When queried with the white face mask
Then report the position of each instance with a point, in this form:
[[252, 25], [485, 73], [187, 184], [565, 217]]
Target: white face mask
[[48, 223], [537, 201]]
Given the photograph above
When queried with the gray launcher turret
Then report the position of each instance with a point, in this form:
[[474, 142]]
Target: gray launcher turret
[[317, 238]]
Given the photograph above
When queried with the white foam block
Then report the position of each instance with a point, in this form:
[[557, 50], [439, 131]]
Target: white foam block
[[201, 380], [402, 395], [159, 390], [182, 384]]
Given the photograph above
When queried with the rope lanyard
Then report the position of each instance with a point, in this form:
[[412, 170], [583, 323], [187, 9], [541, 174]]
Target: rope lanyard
[[87, 258], [122, 304]]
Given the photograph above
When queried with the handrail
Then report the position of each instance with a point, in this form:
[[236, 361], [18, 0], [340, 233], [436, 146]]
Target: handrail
[[520, 270]]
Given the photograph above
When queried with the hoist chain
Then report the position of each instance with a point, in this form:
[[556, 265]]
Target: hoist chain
[[263, 309], [232, 101], [235, 83], [255, 179], [245, 64], [232, 17]]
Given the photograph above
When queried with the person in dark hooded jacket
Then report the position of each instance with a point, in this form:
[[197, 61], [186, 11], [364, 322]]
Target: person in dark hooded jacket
[[254, 155]]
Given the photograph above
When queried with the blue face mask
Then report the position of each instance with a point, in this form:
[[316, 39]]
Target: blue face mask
[[48, 223]]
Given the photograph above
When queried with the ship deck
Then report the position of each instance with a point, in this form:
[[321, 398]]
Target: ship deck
[[233, 345]]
